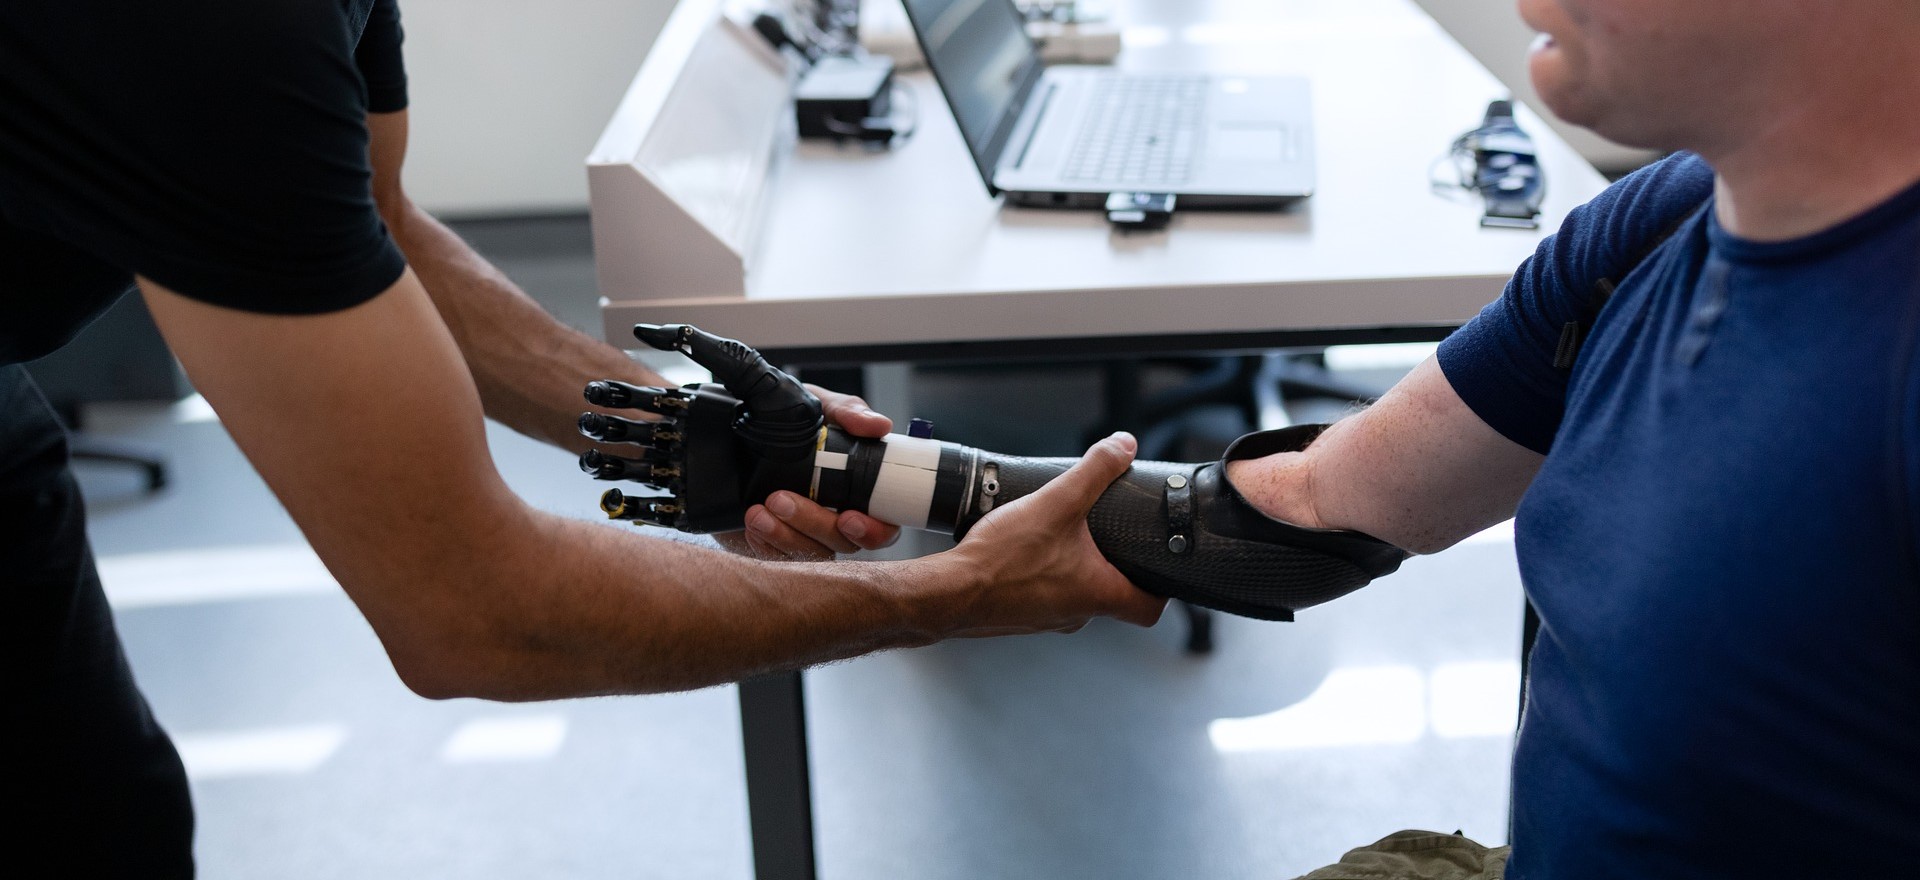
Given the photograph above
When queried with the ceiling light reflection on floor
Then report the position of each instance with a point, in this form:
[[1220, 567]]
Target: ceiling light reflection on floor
[[269, 751], [529, 738], [213, 574], [1376, 705], [1474, 699], [1383, 705]]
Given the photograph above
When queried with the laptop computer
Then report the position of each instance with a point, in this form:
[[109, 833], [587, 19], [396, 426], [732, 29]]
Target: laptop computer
[[1069, 136]]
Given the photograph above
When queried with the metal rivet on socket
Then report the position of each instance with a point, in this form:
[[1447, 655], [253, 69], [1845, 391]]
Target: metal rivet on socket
[[1177, 543], [1177, 482]]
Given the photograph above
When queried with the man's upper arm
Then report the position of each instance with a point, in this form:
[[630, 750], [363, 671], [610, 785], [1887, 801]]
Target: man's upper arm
[[1454, 445], [367, 426], [1418, 470], [1452, 448]]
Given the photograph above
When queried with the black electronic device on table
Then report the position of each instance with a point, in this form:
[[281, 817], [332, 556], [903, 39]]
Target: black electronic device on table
[[1506, 170], [842, 97], [843, 93]]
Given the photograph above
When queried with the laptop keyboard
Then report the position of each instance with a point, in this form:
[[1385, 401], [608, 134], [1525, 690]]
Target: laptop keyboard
[[1140, 129]]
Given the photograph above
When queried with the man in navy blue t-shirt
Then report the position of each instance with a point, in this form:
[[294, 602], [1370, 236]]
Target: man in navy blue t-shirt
[[1718, 504]]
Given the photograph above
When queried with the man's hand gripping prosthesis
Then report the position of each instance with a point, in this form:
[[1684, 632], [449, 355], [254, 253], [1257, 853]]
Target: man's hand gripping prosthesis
[[1176, 530]]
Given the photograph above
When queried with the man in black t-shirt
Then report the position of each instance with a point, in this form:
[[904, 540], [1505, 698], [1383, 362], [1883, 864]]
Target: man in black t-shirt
[[239, 162]]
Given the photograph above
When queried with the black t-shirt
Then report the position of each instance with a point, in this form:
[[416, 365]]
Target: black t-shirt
[[218, 147]]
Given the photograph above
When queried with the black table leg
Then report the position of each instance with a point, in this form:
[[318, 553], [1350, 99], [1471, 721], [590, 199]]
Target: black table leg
[[773, 733]]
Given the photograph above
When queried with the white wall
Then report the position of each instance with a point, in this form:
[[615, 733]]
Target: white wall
[[1493, 32], [508, 96]]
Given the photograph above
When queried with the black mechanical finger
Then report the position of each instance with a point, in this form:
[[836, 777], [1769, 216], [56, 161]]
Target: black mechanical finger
[[614, 429], [646, 398], [779, 419], [655, 510], [612, 467]]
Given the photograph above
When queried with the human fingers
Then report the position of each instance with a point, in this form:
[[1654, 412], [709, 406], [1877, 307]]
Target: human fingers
[[768, 551], [815, 523], [736, 543], [867, 532], [778, 540], [1139, 607], [851, 413], [1118, 598], [758, 548], [1090, 476], [746, 543], [1084, 482]]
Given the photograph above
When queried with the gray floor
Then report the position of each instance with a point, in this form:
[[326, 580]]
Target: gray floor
[[1106, 754]]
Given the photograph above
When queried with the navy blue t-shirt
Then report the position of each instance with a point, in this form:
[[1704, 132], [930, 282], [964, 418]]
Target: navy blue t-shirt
[[1721, 543]]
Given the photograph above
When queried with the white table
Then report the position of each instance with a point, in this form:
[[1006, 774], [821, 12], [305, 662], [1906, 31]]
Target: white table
[[901, 255]]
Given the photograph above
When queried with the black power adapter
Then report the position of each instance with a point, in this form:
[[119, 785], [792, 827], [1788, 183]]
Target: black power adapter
[[841, 97]]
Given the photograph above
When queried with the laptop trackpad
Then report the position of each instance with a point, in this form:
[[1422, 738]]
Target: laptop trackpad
[[1247, 143]]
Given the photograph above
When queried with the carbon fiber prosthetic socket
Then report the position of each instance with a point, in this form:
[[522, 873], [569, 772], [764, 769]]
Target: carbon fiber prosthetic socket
[[1177, 530]]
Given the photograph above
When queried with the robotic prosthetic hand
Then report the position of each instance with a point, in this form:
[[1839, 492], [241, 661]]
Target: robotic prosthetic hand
[[1177, 530]]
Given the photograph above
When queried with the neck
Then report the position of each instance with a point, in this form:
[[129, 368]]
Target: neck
[[1839, 151]]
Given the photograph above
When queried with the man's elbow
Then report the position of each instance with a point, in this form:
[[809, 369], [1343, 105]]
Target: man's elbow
[[438, 668], [445, 651], [473, 671], [432, 676]]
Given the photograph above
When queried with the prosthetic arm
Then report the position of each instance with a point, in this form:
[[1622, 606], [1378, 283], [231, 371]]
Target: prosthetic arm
[[1177, 530]]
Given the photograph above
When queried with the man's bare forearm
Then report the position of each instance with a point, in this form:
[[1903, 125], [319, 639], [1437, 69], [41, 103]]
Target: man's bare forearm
[[1418, 470], [560, 608], [622, 614], [529, 367]]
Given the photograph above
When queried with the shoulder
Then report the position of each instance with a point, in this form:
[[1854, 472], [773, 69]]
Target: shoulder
[[1605, 237], [1502, 362], [1669, 187]]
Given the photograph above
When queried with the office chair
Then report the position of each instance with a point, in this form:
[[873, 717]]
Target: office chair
[[120, 356]]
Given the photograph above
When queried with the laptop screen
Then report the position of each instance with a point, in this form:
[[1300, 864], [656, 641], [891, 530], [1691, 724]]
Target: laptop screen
[[985, 63]]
